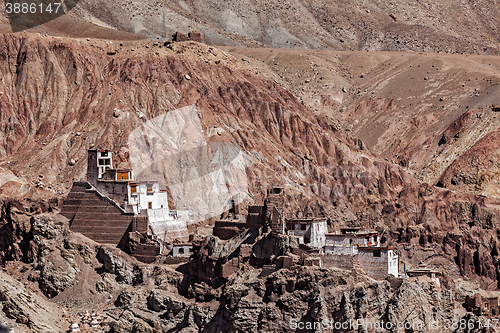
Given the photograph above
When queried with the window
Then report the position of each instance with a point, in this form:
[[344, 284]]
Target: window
[[150, 188], [150, 205], [104, 162], [302, 227], [122, 175], [133, 189], [191, 250], [376, 253], [104, 153], [181, 250]]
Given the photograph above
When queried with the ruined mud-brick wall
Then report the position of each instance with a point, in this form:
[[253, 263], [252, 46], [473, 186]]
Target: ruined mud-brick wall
[[95, 216], [255, 217], [267, 270], [228, 229], [169, 260], [375, 267], [146, 252], [194, 36], [345, 261], [140, 224], [229, 268]]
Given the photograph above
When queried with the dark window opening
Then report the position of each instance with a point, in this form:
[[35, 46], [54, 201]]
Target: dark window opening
[[302, 227], [181, 250], [376, 253]]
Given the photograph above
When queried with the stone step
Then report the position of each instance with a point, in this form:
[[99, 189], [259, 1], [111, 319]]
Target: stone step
[[100, 224], [145, 259]]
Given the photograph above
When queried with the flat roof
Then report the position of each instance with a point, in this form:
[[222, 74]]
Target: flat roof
[[373, 248], [421, 270], [306, 219], [362, 234], [115, 181], [182, 244], [100, 150], [118, 170]]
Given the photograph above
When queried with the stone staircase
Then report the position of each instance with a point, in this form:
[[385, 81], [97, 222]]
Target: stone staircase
[[95, 215]]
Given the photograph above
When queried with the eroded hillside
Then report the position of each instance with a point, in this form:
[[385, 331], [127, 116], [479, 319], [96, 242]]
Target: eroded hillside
[[423, 111], [60, 97]]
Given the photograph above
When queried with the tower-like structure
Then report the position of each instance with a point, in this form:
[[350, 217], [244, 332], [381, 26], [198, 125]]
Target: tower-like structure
[[274, 205], [98, 161]]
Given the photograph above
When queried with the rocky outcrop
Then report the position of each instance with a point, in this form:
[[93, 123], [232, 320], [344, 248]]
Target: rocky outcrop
[[116, 262], [26, 311], [147, 297], [285, 298]]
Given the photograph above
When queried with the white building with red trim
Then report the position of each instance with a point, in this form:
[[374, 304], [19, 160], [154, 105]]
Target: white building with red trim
[[143, 198]]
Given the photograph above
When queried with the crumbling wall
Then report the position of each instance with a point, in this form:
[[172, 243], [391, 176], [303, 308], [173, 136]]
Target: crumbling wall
[[345, 261], [194, 36], [255, 217], [228, 268], [267, 270], [146, 252], [228, 229]]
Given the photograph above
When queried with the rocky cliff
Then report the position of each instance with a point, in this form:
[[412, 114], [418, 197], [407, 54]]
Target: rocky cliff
[[81, 276]]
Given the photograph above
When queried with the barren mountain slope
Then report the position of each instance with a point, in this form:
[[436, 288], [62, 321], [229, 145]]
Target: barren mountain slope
[[421, 111], [355, 25], [439, 26]]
